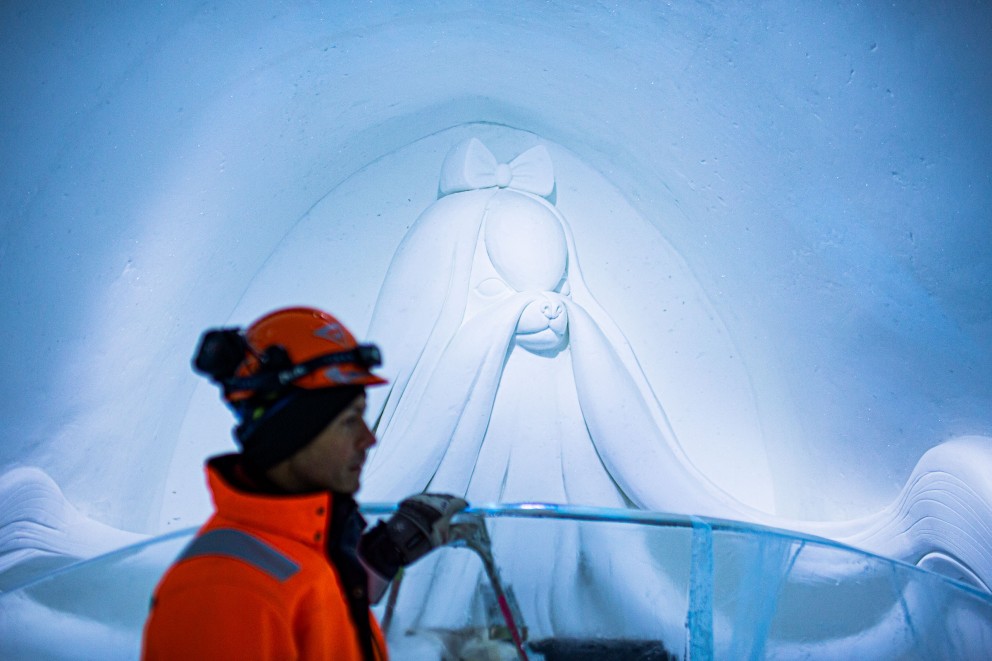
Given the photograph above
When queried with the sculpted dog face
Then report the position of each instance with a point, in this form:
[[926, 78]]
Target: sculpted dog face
[[522, 249]]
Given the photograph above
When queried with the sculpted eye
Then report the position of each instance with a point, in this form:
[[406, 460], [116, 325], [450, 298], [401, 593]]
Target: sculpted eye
[[492, 287]]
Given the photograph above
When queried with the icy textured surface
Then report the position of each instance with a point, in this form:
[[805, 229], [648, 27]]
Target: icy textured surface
[[822, 174], [41, 531], [785, 210], [739, 592]]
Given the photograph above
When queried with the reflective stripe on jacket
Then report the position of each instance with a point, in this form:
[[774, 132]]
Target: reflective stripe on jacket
[[257, 583]]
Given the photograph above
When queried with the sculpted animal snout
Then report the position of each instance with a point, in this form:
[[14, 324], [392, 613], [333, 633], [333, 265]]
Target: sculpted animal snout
[[552, 309], [543, 323]]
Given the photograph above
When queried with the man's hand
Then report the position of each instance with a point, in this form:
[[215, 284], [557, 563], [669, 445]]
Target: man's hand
[[430, 515], [420, 524]]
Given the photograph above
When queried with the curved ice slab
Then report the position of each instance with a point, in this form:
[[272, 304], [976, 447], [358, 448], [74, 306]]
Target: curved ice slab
[[690, 587], [40, 530], [685, 586], [94, 609]]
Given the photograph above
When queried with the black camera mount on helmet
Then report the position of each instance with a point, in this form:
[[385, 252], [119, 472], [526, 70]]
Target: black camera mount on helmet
[[223, 350]]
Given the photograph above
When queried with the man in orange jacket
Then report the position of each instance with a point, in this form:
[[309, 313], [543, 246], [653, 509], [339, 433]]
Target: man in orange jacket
[[284, 569]]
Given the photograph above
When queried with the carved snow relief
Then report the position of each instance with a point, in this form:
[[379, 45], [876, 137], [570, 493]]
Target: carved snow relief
[[511, 383]]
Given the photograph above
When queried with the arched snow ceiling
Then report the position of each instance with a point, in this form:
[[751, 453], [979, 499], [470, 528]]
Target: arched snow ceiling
[[823, 171]]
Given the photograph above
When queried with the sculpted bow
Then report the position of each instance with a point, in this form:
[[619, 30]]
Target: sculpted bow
[[471, 166]]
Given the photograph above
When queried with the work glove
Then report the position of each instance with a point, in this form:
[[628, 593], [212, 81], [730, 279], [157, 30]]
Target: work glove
[[420, 524]]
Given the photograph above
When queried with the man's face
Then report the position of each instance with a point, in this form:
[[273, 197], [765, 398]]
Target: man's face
[[335, 458]]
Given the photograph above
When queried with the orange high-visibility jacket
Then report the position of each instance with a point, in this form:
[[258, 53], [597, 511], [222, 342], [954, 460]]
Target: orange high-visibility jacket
[[257, 583]]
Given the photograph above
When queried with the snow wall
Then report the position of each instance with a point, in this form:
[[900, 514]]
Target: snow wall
[[815, 178]]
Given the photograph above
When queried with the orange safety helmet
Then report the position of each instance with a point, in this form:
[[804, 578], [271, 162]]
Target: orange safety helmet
[[300, 346]]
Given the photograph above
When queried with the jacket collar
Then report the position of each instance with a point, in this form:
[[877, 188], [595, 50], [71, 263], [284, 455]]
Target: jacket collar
[[303, 517]]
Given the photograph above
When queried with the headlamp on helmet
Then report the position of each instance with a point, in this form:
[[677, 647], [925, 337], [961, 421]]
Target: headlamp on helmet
[[295, 347]]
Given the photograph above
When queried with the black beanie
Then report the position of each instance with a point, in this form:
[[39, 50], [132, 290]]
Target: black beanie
[[270, 432]]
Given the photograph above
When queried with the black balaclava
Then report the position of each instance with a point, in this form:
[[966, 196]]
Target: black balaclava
[[271, 430]]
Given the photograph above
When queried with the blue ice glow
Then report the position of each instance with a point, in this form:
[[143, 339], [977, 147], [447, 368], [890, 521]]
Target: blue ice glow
[[829, 194], [749, 591], [786, 210]]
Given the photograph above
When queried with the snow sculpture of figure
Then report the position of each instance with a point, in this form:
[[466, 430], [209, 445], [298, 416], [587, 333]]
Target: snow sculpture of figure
[[510, 383], [505, 360]]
